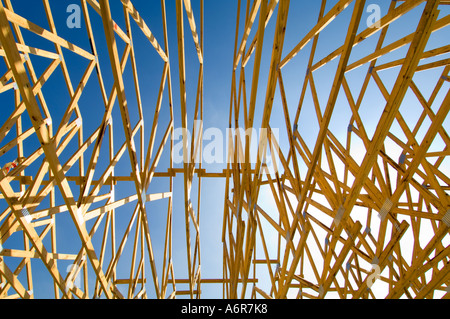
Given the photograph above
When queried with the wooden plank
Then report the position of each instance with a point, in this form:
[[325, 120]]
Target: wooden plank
[[350, 38], [145, 29], [191, 19], [326, 20], [24, 23], [43, 135]]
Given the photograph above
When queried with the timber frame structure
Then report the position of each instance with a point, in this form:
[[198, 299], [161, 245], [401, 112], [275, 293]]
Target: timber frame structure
[[343, 219]]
